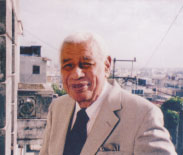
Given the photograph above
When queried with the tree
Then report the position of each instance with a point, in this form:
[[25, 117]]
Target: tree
[[171, 109], [175, 104], [57, 90]]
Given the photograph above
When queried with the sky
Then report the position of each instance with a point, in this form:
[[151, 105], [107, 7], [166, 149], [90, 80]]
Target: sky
[[150, 30]]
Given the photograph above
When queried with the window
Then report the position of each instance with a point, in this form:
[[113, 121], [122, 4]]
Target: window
[[36, 70]]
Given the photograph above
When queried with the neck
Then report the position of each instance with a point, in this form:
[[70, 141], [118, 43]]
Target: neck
[[85, 104]]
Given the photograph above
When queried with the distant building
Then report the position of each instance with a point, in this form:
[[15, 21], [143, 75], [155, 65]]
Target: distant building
[[30, 50], [33, 67], [34, 98], [53, 75], [171, 91], [141, 82], [33, 103], [139, 92]]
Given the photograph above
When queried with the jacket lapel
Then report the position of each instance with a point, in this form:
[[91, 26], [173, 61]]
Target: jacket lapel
[[104, 124], [61, 124]]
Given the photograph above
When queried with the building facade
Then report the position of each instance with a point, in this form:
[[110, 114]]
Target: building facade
[[10, 28], [34, 98], [33, 67]]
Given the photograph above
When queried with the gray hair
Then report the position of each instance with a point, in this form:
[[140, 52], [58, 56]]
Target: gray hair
[[93, 40]]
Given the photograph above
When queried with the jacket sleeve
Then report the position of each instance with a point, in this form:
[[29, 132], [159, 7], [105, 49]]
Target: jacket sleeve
[[46, 139], [152, 138]]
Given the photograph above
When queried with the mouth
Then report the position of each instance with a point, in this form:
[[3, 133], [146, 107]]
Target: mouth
[[80, 87]]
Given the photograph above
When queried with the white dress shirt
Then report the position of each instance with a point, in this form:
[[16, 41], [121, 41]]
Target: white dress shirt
[[93, 110]]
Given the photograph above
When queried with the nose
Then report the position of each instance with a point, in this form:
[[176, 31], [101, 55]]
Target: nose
[[77, 73]]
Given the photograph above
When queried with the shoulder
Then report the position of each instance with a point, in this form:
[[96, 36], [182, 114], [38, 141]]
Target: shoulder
[[127, 99], [136, 102], [139, 105], [61, 102], [132, 105]]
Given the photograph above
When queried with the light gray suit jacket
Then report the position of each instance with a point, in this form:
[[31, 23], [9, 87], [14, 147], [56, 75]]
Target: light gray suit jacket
[[126, 125]]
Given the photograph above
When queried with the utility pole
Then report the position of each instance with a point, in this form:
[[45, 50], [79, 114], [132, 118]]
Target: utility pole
[[127, 78], [114, 63]]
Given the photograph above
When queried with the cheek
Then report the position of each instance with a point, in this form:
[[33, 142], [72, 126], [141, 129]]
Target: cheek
[[100, 77], [97, 79], [100, 73], [64, 78]]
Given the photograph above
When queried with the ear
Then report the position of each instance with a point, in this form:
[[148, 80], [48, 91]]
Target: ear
[[107, 66]]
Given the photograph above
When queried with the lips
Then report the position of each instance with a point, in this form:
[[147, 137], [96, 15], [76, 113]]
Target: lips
[[79, 87]]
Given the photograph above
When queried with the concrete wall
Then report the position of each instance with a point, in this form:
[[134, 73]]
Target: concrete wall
[[32, 114], [26, 68], [9, 75]]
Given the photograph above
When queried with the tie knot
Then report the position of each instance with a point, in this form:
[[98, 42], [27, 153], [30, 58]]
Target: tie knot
[[82, 115]]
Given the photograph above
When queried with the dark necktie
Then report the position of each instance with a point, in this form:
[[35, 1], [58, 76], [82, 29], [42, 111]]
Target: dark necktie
[[77, 136]]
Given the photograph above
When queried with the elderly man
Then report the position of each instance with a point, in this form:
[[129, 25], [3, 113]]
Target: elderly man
[[98, 116]]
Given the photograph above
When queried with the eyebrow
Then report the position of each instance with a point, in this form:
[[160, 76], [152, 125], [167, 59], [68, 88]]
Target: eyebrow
[[65, 60], [69, 59], [87, 58]]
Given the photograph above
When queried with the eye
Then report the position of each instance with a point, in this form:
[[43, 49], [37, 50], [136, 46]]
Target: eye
[[68, 66], [85, 65]]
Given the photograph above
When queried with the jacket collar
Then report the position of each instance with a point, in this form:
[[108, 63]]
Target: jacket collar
[[105, 122], [62, 114]]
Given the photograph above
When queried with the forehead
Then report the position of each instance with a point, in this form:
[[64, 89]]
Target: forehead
[[78, 50]]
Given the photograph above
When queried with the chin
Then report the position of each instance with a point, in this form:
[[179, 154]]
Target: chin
[[82, 97]]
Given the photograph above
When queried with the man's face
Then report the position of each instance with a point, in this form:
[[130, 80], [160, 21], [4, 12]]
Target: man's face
[[83, 71]]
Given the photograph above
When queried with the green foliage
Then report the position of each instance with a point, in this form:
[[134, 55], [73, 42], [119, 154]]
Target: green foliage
[[171, 119], [175, 104], [171, 109], [57, 90]]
